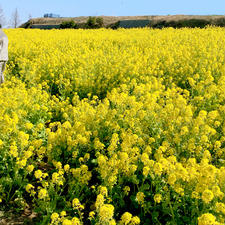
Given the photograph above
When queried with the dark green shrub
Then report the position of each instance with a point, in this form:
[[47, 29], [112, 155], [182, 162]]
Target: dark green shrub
[[27, 25], [220, 22], [114, 25], [68, 25], [81, 25], [93, 22], [99, 22], [191, 23], [159, 24]]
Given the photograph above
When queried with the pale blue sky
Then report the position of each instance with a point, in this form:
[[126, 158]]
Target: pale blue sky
[[65, 8]]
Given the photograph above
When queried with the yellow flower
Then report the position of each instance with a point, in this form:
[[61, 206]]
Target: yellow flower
[[55, 177], [21, 163], [76, 221], [191, 81], [104, 191], [106, 212], [38, 174], [63, 213], [207, 219], [217, 123], [217, 144], [29, 125], [40, 126], [135, 220], [172, 179], [207, 196], [126, 218], [98, 145], [44, 175], [67, 222], [67, 168], [76, 204], [42, 193], [112, 222], [126, 190], [45, 184], [13, 151], [202, 114], [140, 197], [184, 130], [91, 214], [23, 138], [54, 217], [195, 194], [158, 169], [28, 154], [157, 198], [220, 207], [29, 187], [58, 165], [146, 170], [216, 190], [204, 139], [66, 125]]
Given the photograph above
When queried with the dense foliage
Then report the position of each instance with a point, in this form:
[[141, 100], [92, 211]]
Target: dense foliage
[[68, 25], [114, 127]]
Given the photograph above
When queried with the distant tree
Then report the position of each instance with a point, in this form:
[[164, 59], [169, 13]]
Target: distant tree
[[91, 22], [15, 20], [100, 22], [94, 22], [2, 18], [219, 22], [68, 25]]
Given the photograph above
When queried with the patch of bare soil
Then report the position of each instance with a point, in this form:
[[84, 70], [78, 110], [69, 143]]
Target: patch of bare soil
[[27, 217]]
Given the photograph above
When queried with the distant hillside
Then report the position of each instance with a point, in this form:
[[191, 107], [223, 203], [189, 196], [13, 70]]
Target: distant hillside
[[47, 23]]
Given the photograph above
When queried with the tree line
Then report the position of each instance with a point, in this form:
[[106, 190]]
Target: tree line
[[92, 23]]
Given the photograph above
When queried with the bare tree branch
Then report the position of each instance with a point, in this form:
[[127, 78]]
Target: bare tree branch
[[15, 20], [2, 18]]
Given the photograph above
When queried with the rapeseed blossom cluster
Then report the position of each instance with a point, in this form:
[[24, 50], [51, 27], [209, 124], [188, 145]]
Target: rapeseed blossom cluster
[[115, 127]]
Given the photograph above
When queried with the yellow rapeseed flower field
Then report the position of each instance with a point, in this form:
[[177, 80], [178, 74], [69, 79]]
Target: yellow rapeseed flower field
[[114, 126]]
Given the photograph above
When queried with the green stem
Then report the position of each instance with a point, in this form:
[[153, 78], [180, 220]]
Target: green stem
[[171, 210], [17, 189]]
